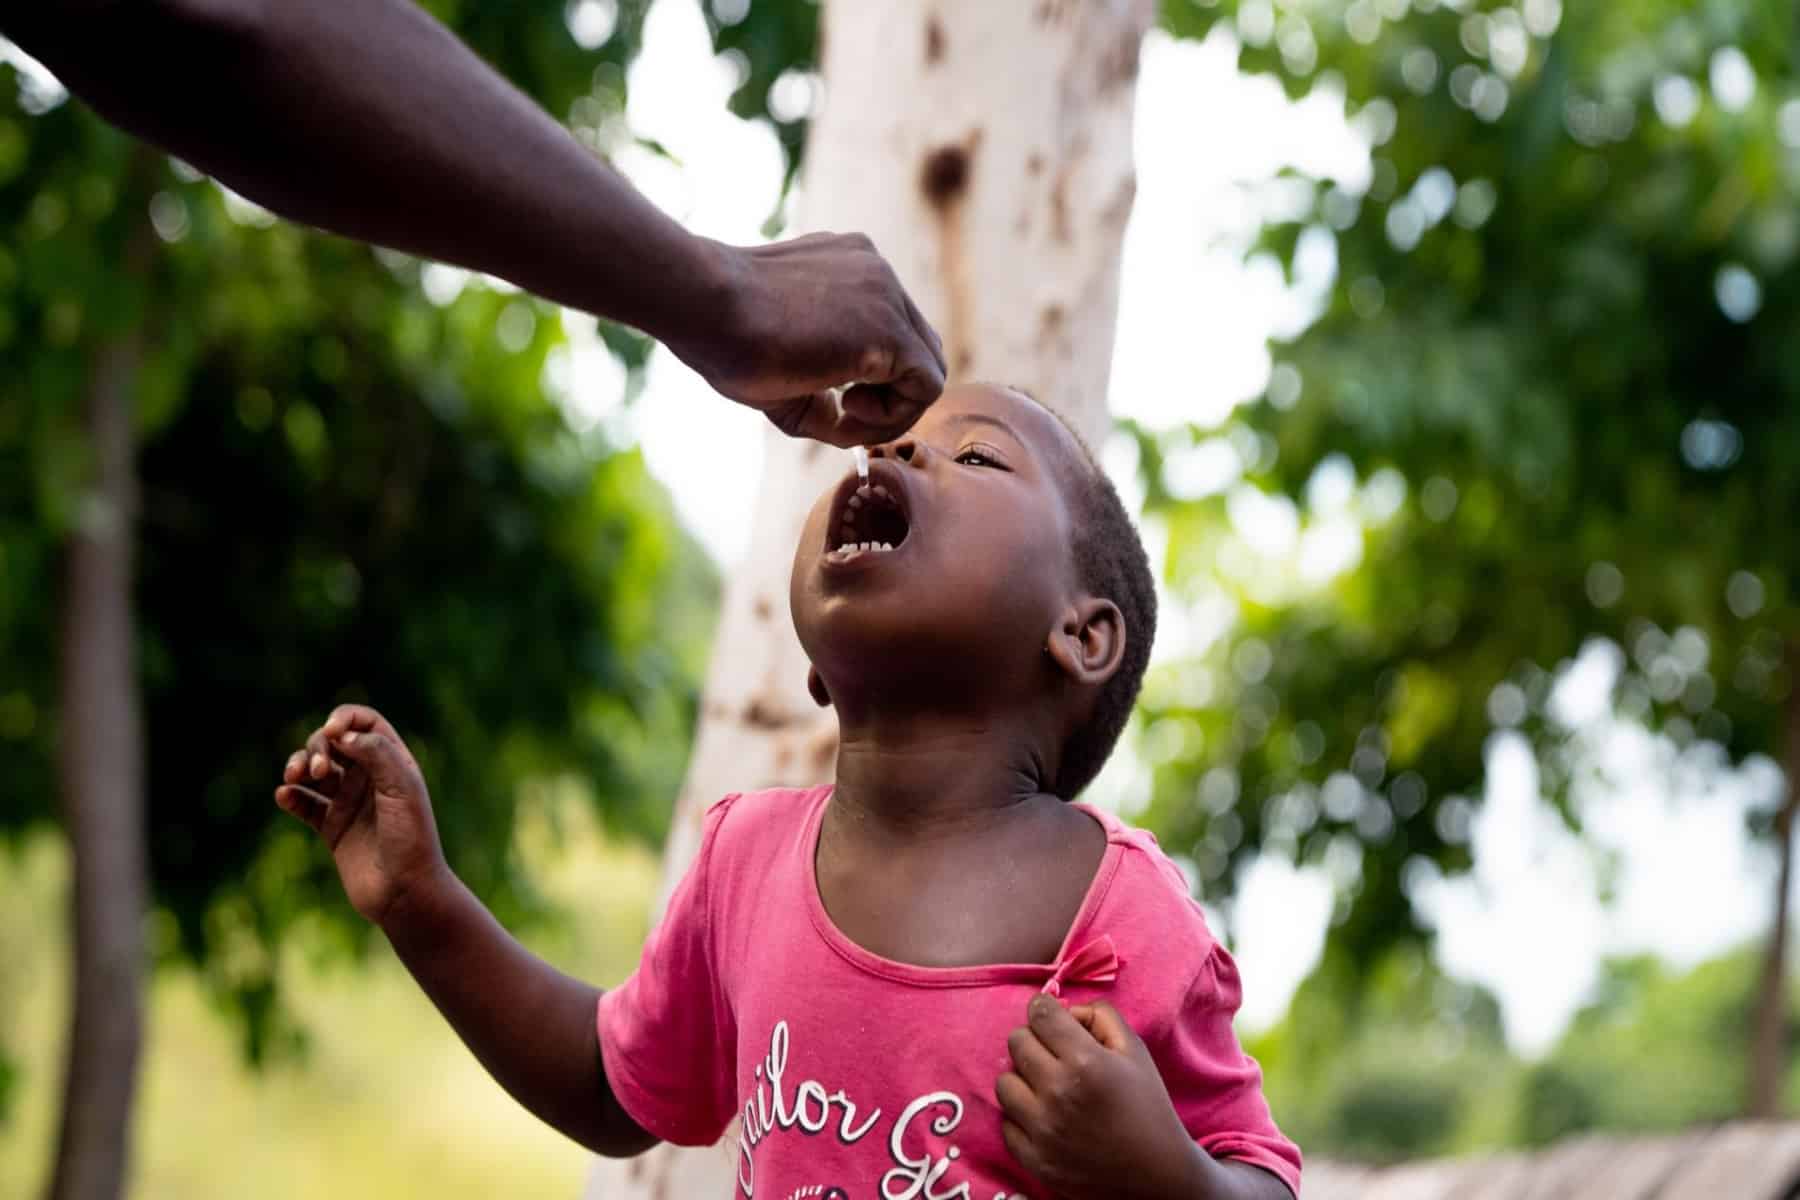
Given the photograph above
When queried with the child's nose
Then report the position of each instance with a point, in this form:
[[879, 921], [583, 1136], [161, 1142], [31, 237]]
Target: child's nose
[[903, 449]]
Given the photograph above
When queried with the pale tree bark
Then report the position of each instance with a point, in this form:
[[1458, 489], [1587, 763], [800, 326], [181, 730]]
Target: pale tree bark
[[101, 774], [986, 148], [1768, 1038]]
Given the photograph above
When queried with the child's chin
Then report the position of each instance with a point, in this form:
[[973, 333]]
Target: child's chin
[[857, 631]]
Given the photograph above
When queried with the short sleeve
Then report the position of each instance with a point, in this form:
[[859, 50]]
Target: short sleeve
[[1216, 1087], [668, 1042]]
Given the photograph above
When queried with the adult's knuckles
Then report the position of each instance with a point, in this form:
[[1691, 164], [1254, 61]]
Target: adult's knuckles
[[876, 362]]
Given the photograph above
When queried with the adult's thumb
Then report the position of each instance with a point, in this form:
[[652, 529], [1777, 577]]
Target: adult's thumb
[[817, 416]]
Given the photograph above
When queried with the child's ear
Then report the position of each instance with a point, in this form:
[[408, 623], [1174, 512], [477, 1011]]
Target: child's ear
[[1088, 643], [815, 687]]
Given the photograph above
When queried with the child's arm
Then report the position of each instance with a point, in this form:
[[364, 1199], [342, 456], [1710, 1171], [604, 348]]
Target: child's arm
[[530, 1025], [1087, 1112]]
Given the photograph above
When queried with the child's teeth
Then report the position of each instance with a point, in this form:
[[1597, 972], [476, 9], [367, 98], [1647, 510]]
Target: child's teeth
[[887, 545], [882, 492], [856, 500]]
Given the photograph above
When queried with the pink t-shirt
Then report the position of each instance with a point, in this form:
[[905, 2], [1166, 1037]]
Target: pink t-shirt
[[860, 1078]]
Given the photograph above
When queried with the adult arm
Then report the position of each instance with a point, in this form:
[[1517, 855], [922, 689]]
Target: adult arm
[[369, 119]]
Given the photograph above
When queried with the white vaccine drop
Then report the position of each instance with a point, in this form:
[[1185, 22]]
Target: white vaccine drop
[[861, 455]]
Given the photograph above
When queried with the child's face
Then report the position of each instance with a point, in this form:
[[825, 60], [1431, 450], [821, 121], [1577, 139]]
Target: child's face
[[980, 570]]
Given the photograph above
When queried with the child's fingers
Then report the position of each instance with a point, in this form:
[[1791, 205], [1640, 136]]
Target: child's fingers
[[343, 813], [1018, 1102], [389, 768], [1030, 1058], [1021, 1147], [318, 756], [1101, 1021], [357, 718], [304, 803], [1060, 1032], [360, 718], [291, 771]]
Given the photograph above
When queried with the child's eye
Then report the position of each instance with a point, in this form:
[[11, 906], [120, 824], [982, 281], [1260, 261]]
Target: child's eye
[[976, 457]]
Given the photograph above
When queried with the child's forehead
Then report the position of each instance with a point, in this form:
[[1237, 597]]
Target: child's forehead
[[1014, 412]]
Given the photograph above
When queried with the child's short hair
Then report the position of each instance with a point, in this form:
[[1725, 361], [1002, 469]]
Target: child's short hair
[[1110, 562]]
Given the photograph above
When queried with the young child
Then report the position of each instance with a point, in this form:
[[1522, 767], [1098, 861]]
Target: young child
[[935, 978]]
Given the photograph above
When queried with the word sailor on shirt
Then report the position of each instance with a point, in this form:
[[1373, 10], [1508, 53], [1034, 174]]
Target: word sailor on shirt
[[916, 1174]]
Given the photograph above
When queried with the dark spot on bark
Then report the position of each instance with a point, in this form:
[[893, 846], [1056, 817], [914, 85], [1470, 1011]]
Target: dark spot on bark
[[1059, 207], [761, 608], [946, 175], [1052, 317], [934, 40], [1120, 67], [759, 715]]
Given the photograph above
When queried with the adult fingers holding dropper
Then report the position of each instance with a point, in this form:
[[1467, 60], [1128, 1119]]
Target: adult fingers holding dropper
[[809, 315]]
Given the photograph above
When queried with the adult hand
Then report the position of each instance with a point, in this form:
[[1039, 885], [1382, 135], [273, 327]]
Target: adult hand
[[806, 316]]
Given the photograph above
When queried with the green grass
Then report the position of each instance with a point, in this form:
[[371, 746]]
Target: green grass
[[385, 1102]]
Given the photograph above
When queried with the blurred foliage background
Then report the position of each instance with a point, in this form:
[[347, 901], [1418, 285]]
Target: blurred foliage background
[[1550, 386], [1547, 405]]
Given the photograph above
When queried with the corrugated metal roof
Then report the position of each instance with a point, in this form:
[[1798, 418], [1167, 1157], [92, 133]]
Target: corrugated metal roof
[[1741, 1161]]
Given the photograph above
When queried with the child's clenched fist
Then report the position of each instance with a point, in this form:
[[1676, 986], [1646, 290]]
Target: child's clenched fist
[[1087, 1112], [356, 784]]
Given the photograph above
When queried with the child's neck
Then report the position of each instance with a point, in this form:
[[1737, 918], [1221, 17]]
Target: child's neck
[[922, 776]]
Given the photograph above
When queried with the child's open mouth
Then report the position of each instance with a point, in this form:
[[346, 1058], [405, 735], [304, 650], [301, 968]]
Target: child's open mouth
[[867, 518]]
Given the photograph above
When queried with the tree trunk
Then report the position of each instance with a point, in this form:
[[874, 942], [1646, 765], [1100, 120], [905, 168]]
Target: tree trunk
[[986, 148], [100, 768], [1768, 1038]]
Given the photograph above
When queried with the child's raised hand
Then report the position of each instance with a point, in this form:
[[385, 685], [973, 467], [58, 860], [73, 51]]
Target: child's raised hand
[[1085, 1109], [358, 787]]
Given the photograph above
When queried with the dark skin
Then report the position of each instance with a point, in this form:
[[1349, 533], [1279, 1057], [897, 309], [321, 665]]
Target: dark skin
[[958, 663], [369, 119]]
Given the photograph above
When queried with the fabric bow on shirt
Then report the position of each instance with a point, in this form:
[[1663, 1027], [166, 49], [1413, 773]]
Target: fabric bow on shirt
[[1096, 962]]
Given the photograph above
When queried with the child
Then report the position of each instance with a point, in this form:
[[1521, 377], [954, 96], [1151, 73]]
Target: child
[[935, 978]]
